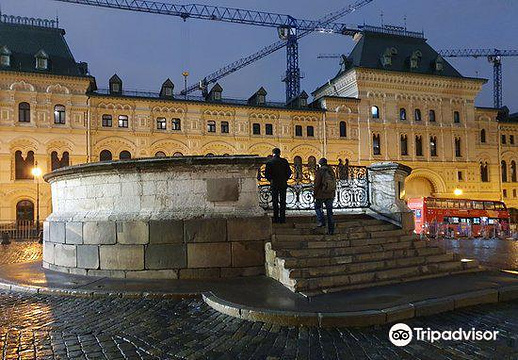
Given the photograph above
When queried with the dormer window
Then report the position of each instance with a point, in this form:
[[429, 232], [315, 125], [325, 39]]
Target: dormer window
[[217, 95], [214, 93], [439, 64], [115, 85], [42, 60], [386, 57], [415, 59], [259, 98], [167, 89], [5, 57]]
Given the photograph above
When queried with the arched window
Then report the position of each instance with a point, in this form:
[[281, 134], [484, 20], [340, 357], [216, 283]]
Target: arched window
[[56, 162], [433, 145], [160, 154], [124, 155], [59, 114], [25, 211], [23, 167], [513, 171], [177, 154], [456, 117], [256, 129], [176, 124], [503, 165], [310, 130], [483, 136], [211, 126], [105, 155], [123, 121], [431, 116], [458, 151], [209, 155], [24, 112], [343, 129], [417, 115], [376, 144], [402, 114], [403, 142], [419, 145], [312, 162], [268, 129], [161, 124], [297, 164], [225, 128], [298, 130], [375, 112], [484, 174]]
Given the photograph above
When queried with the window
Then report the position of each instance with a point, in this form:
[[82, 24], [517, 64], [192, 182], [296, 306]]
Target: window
[[211, 126], [417, 115], [460, 176], [160, 154], [56, 162], [59, 114], [511, 139], [514, 192], [418, 145], [431, 116], [261, 99], [23, 167], [484, 174], [123, 121], [298, 130], [375, 112], [503, 139], [168, 91], [503, 165], [5, 56], [376, 145], [433, 145], [456, 117], [107, 120], [225, 128], [505, 193], [343, 129], [513, 171], [310, 130], [42, 60], [161, 124], [256, 129], [403, 141], [25, 210], [124, 155], [24, 112], [105, 155], [268, 129], [402, 114], [217, 95], [177, 154], [483, 136], [176, 124], [458, 152]]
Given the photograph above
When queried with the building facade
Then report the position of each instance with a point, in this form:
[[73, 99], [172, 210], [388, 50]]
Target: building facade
[[394, 99]]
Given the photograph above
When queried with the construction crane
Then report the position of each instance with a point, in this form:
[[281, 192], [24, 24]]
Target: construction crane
[[494, 56], [290, 30]]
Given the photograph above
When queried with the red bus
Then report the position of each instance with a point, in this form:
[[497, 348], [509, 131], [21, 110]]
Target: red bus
[[459, 217]]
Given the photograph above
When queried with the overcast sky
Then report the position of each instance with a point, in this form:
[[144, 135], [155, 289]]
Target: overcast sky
[[145, 49]]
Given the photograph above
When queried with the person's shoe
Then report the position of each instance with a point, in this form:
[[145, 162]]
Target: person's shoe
[[321, 225]]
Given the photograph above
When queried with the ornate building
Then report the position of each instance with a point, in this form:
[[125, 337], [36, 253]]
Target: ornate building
[[394, 99]]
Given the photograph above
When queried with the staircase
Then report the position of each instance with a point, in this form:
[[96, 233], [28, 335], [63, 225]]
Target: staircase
[[363, 252]]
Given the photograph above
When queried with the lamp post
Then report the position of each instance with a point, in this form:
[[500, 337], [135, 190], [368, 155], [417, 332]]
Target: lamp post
[[36, 173], [185, 76]]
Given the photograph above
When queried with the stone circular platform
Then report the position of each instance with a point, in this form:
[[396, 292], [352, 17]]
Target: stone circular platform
[[176, 217]]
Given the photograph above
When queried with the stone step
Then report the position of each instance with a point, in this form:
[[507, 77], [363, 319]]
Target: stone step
[[349, 250], [377, 230], [312, 242], [311, 219], [360, 267], [368, 278], [347, 224]]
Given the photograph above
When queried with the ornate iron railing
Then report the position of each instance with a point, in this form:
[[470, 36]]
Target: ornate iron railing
[[352, 187]]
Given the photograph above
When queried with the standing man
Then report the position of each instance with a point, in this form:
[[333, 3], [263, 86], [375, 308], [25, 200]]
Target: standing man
[[278, 172], [324, 193]]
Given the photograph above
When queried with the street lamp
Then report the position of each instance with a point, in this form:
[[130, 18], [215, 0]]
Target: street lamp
[[36, 173], [457, 192]]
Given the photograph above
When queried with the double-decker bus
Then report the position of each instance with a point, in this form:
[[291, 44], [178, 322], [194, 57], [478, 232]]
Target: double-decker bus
[[459, 217]]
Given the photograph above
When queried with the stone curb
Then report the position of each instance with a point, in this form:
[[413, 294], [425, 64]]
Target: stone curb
[[366, 317], [95, 293]]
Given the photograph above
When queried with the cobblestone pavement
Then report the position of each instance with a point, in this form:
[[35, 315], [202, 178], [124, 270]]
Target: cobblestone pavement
[[498, 253], [18, 252], [54, 327]]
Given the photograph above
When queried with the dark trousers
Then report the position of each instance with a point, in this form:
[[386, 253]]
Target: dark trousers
[[279, 203], [329, 210]]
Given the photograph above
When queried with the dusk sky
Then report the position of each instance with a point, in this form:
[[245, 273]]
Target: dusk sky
[[145, 49]]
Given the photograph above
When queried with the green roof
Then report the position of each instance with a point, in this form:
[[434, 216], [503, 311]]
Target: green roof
[[24, 40]]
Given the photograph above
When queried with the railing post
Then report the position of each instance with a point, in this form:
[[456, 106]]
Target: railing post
[[387, 190]]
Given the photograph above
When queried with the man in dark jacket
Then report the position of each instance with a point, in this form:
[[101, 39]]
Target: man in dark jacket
[[324, 194], [277, 173]]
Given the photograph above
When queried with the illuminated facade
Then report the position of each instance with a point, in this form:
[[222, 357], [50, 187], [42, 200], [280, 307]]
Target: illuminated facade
[[394, 99]]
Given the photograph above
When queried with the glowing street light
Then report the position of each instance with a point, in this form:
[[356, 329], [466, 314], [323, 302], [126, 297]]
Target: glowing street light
[[457, 192], [36, 173]]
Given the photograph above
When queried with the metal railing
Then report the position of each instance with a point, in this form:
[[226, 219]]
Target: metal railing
[[352, 187], [20, 229]]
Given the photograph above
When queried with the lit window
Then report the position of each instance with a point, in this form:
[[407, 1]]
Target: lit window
[[161, 124], [107, 120], [123, 121], [268, 129], [375, 112], [256, 129], [211, 126], [298, 130], [176, 124], [59, 114], [225, 128]]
